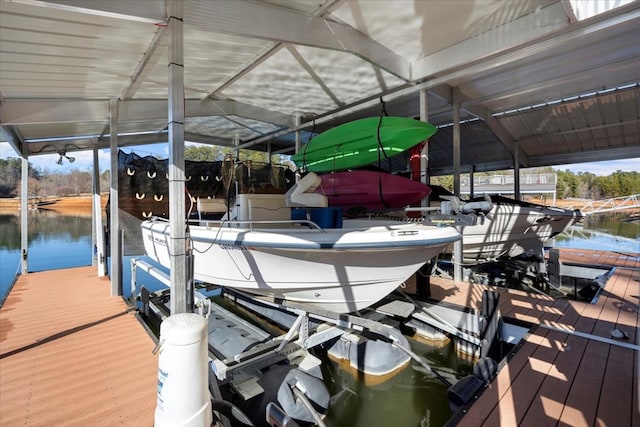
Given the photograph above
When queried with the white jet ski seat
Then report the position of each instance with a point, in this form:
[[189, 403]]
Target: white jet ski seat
[[302, 193]]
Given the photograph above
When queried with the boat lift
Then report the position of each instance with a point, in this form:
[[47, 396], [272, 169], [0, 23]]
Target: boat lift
[[238, 350]]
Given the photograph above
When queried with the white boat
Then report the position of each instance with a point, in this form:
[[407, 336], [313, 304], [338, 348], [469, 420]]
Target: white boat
[[315, 258], [506, 227]]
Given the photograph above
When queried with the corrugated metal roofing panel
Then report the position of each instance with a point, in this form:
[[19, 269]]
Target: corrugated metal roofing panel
[[280, 84], [326, 60], [99, 49], [426, 26]]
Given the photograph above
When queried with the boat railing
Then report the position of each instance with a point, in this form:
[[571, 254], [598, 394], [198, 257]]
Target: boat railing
[[252, 224]]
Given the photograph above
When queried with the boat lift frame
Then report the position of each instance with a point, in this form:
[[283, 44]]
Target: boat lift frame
[[330, 326]]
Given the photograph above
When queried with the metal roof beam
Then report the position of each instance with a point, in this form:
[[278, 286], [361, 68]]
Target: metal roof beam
[[515, 41], [87, 143], [151, 11], [600, 155], [257, 20], [24, 112], [13, 137], [146, 64], [304, 64], [445, 93], [505, 138]]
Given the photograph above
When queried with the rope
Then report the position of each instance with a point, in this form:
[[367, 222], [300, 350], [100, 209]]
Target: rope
[[381, 149], [304, 152]]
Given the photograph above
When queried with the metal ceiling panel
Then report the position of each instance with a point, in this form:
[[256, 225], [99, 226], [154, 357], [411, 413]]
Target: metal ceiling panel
[[577, 63], [281, 84], [97, 50], [252, 66], [427, 26], [348, 76]]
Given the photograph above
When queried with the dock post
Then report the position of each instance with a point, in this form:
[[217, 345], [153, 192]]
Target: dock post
[[134, 279], [554, 268], [457, 258], [423, 280]]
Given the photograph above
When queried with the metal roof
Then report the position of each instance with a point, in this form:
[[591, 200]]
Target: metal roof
[[548, 78]]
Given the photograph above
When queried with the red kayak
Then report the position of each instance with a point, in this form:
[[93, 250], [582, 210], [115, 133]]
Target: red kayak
[[371, 190]]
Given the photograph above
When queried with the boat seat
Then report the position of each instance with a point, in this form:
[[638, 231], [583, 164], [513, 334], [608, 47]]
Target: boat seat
[[483, 206], [302, 193], [208, 206]]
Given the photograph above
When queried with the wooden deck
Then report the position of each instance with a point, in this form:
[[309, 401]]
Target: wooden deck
[[569, 370], [72, 355]]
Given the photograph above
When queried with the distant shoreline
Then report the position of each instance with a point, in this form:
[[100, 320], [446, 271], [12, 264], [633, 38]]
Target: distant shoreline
[[81, 205], [74, 205]]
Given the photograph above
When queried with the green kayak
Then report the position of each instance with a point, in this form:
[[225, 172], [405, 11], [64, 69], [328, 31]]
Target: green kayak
[[356, 144]]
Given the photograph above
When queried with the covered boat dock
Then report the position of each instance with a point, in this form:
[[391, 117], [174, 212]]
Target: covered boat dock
[[508, 84]]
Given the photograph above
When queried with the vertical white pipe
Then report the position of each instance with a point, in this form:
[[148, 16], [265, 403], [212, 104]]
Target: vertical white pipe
[[516, 170], [296, 122], [456, 141], [24, 196], [114, 227], [424, 155], [98, 236], [177, 237], [457, 246]]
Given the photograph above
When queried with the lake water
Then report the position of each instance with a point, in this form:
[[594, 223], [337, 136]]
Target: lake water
[[59, 241]]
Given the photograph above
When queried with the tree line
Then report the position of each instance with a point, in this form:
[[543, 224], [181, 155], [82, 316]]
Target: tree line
[[42, 184], [583, 185]]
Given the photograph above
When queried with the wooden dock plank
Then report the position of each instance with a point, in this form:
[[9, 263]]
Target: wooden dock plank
[[613, 411], [584, 394], [481, 410], [515, 404], [547, 407], [70, 354], [557, 377]]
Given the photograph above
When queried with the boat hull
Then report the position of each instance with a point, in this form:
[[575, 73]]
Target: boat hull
[[361, 142], [342, 270], [370, 190], [513, 229]]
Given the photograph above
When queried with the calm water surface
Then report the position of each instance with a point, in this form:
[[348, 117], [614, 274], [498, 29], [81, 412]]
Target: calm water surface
[[412, 398]]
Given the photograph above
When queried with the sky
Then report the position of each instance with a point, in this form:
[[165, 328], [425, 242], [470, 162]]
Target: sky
[[84, 160]]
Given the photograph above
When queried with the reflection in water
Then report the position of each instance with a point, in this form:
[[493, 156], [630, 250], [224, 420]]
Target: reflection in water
[[42, 225], [609, 232], [411, 398], [54, 241], [615, 224]]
